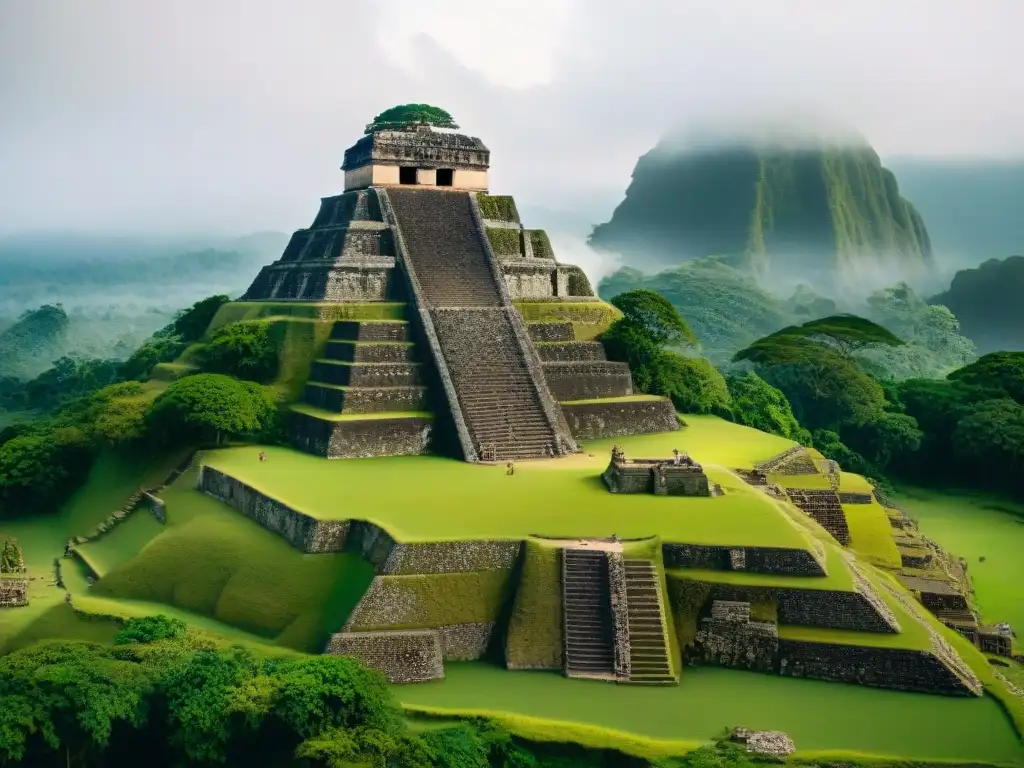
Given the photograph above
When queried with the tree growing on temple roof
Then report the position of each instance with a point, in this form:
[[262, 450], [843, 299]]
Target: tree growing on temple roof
[[411, 114]]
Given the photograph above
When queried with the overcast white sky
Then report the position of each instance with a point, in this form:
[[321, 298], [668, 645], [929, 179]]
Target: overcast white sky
[[232, 115]]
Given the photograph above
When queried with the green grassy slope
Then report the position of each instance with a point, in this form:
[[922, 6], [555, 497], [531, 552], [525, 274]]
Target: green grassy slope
[[213, 562], [112, 480], [661, 720]]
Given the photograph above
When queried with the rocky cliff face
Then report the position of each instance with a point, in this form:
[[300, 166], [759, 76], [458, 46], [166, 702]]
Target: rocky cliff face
[[810, 213]]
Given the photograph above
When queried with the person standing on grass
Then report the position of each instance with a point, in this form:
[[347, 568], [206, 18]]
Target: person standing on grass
[[510, 468], [263, 456]]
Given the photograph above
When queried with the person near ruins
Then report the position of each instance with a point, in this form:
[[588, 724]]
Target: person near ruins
[[510, 468], [263, 456], [618, 455], [675, 456]]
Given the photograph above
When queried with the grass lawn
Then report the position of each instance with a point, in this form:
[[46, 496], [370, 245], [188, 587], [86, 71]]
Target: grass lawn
[[212, 562], [972, 527], [871, 534], [817, 715], [432, 498]]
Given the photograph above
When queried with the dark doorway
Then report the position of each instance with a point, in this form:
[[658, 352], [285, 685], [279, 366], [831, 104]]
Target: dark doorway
[[445, 177], [554, 282], [406, 175]]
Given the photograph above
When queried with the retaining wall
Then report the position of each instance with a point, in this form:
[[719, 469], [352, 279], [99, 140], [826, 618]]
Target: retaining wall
[[403, 657], [879, 667], [798, 562], [299, 529], [802, 607], [361, 438], [588, 380], [617, 418]]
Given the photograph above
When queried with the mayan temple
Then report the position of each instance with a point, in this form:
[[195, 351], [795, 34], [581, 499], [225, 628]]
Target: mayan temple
[[451, 365]]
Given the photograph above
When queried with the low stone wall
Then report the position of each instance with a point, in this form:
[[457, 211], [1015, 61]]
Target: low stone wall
[[403, 657], [571, 352], [879, 667], [465, 642], [797, 562], [555, 331], [300, 530], [452, 557], [361, 438], [803, 607], [430, 601], [13, 592], [366, 399], [728, 638], [587, 380], [371, 280], [617, 418]]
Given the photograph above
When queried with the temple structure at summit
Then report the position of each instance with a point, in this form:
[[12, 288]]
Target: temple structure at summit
[[461, 370]]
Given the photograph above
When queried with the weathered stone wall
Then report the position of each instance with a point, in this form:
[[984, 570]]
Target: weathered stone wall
[[880, 667], [556, 331], [797, 562], [452, 557], [587, 380], [372, 542], [301, 281], [465, 642], [728, 638], [367, 399], [571, 351], [361, 438], [592, 421], [430, 601], [300, 530], [403, 657], [803, 607], [529, 280], [13, 592]]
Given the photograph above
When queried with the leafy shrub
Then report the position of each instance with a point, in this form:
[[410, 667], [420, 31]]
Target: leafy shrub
[[156, 350], [758, 404], [149, 629], [209, 406], [243, 350], [40, 469], [191, 323], [693, 383]]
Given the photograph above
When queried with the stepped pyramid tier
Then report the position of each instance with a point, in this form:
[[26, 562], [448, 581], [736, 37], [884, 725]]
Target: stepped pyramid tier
[[426, 277]]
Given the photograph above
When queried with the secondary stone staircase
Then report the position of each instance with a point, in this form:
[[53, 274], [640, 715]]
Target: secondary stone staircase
[[586, 604], [367, 367], [648, 649], [496, 392]]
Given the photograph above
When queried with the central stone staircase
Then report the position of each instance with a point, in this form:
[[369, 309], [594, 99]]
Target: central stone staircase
[[648, 648], [586, 603], [498, 394]]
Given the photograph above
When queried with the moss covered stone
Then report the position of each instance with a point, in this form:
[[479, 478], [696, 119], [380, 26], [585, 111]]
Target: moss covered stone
[[431, 601], [534, 639], [541, 244], [498, 207], [505, 241]]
